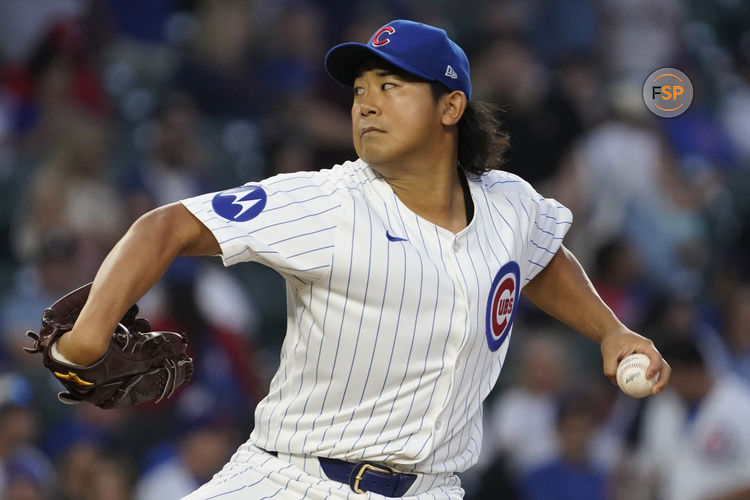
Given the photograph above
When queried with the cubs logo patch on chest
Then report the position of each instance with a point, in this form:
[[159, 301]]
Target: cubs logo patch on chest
[[501, 304]]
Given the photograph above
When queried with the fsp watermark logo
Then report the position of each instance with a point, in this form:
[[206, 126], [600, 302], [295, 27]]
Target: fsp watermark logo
[[667, 92]]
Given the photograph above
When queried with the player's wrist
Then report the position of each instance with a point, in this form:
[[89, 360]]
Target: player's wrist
[[620, 342], [77, 349], [608, 330], [55, 353]]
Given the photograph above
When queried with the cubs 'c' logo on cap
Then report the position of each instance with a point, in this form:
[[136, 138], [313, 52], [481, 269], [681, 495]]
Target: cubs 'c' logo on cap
[[379, 39], [240, 204], [501, 304]]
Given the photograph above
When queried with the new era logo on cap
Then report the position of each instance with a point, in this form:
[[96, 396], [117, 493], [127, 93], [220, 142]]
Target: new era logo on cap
[[419, 49]]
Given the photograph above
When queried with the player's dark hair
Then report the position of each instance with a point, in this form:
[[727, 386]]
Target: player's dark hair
[[481, 140]]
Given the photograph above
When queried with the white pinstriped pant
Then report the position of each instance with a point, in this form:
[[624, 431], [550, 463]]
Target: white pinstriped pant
[[254, 474]]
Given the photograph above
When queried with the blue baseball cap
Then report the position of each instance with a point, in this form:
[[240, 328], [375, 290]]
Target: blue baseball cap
[[419, 49]]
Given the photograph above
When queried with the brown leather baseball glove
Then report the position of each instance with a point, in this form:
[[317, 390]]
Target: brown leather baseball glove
[[139, 365]]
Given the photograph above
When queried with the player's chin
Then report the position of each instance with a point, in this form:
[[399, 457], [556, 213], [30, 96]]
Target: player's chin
[[371, 155]]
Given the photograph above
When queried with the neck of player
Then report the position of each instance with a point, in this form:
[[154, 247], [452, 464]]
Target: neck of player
[[431, 189]]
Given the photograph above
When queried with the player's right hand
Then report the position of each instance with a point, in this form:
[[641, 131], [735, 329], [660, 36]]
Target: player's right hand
[[618, 344]]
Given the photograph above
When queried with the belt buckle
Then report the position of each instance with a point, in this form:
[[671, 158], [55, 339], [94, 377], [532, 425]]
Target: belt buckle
[[361, 468]]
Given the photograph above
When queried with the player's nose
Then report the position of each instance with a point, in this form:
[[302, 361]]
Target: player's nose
[[366, 103], [367, 107]]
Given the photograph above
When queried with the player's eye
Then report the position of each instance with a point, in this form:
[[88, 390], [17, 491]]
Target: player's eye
[[388, 85], [358, 91]]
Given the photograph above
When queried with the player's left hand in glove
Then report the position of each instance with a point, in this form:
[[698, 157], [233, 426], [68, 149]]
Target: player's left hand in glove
[[138, 366]]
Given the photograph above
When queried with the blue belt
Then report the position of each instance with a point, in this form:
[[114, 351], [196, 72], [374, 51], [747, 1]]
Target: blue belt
[[366, 476]]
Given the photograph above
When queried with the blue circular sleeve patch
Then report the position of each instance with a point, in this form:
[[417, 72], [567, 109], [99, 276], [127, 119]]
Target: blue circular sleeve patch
[[240, 204]]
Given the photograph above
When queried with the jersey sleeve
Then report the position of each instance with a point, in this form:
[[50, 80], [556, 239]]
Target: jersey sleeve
[[549, 223], [287, 222], [541, 222]]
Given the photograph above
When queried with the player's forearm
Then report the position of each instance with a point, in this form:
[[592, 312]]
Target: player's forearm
[[564, 291], [133, 266], [135, 263]]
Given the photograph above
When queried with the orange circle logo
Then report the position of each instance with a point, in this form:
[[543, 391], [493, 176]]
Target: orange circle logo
[[667, 92]]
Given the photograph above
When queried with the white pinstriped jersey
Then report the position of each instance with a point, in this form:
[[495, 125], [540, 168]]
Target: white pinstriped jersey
[[397, 328]]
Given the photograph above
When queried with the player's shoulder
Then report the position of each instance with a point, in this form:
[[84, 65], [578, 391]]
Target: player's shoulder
[[339, 177], [504, 183], [352, 175]]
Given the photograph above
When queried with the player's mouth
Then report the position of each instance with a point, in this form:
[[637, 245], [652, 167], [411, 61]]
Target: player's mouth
[[369, 130]]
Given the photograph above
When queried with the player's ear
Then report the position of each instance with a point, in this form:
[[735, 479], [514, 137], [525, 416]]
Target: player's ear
[[453, 105]]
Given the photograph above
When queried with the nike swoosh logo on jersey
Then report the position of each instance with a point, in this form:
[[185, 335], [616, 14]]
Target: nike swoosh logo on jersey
[[393, 238]]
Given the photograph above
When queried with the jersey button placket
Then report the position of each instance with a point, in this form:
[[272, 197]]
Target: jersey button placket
[[462, 318]]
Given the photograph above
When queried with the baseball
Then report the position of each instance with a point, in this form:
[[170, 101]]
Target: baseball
[[631, 376]]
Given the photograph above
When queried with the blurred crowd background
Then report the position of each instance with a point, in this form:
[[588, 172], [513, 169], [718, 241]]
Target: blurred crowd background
[[110, 108]]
